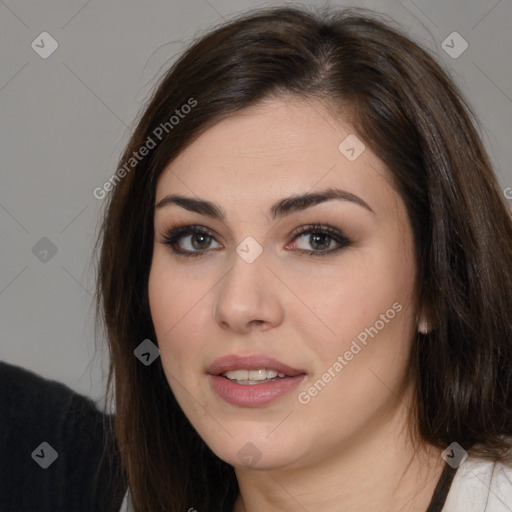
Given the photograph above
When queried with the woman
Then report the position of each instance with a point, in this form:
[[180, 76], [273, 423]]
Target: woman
[[306, 224]]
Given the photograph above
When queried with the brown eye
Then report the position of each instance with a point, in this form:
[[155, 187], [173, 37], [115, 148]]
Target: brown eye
[[199, 241], [188, 240], [319, 239]]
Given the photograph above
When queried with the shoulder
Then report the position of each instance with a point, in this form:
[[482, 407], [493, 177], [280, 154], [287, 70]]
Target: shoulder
[[35, 407], [31, 406], [481, 485], [35, 410]]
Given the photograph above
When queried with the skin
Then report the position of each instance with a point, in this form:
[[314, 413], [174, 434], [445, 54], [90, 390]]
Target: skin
[[346, 449]]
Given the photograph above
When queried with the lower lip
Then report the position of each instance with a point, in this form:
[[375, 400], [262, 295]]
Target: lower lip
[[254, 395]]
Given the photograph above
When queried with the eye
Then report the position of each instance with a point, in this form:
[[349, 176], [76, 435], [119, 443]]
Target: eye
[[322, 239], [199, 239]]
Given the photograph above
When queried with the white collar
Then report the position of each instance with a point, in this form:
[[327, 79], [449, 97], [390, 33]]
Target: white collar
[[480, 486]]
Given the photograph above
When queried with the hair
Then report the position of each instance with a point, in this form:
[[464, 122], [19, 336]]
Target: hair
[[405, 107]]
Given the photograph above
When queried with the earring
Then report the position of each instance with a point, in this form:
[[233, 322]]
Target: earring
[[422, 326]]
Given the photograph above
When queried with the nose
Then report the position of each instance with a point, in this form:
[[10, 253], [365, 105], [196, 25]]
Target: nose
[[248, 298]]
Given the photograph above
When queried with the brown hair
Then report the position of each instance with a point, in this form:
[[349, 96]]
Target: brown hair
[[406, 108]]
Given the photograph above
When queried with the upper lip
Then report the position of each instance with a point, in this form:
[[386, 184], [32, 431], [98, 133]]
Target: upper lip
[[250, 362]]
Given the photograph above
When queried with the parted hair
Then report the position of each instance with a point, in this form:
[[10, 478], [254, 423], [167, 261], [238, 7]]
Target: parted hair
[[405, 107]]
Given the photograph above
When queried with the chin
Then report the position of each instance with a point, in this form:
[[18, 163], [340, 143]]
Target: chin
[[256, 451]]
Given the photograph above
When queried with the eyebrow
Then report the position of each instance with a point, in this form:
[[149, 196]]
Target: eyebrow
[[279, 209]]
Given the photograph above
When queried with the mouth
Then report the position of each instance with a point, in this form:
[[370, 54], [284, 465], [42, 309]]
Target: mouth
[[252, 381]]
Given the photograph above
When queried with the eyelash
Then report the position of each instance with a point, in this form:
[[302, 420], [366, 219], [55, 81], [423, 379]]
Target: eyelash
[[173, 235]]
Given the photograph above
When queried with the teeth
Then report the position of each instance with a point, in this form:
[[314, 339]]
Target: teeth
[[252, 375]]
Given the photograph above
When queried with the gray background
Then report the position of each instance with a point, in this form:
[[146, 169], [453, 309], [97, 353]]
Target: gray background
[[64, 120]]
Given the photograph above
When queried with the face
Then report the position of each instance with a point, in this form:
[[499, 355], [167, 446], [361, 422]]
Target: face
[[315, 297]]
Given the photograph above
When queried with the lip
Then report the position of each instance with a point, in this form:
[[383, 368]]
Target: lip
[[252, 395]]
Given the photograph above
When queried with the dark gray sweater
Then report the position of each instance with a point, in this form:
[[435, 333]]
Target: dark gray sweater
[[78, 470]]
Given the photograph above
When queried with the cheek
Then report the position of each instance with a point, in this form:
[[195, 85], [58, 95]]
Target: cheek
[[175, 305], [370, 304], [180, 314], [362, 366], [350, 303]]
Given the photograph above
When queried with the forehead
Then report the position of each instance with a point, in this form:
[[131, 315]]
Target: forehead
[[281, 147]]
